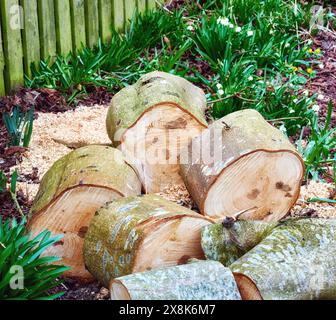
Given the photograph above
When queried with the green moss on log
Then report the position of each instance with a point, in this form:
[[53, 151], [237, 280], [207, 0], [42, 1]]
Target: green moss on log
[[228, 244], [118, 229], [295, 262], [152, 90], [94, 165]]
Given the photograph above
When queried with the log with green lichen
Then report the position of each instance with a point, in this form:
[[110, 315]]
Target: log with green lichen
[[70, 193], [151, 121], [242, 163], [296, 261], [228, 243], [201, 280], [138, 234]]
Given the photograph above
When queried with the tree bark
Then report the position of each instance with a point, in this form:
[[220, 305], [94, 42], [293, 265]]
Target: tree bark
[[243, 163], [295, 262], [228, 244], [203, 280], [138, 234], [71, 192], [151, 121]]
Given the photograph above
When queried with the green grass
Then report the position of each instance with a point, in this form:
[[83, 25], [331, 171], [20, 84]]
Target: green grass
[[255, 55]]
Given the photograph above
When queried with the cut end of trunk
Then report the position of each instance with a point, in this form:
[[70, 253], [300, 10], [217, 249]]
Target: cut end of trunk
[[153, 144], [265, 184], [69, 215], [119, 291], [170, 243], [247, 288]]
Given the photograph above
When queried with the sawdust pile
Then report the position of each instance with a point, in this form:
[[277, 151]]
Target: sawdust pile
[[312, 190], [56, 134]]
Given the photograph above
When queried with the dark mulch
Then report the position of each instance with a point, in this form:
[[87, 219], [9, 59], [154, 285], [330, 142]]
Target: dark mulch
[[8, 210], [75, 291], [325, 82]]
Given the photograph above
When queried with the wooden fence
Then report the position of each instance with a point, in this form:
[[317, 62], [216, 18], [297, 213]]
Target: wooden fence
[[31, 30]]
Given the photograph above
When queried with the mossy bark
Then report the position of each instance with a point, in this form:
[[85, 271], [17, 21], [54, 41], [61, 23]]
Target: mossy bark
[[116, 232], [295, 262], [94, 165], [228, 244], [151, 90], [202, 280]]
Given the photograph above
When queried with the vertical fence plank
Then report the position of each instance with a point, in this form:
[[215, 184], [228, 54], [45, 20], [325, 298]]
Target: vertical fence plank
[[78, 24], [46, 14], [130, 7], [30, 35], [63, 26], [92, 22], [105, 19], [118, 15], [142, 5], [2, 66], [11, 27], [151, 4]]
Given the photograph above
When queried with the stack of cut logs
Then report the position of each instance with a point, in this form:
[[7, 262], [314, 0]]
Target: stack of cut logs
[[243, 174]]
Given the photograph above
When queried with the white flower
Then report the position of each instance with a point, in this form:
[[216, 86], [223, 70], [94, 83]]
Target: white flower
[[231, 26], [221, 92], [296, 100], [309, 42], [190, 28], [321, 66], [250, 33], [250, 78], [238, 29], [316, 108], [291, 111], [283, 129], [320, 97], [287, 45], [271, 31], [223, 21], [219, 86], [306, 92]]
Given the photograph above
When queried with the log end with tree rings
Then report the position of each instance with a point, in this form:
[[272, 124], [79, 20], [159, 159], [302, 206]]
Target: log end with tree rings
[[151, 121], [243, 164], [138, 234], [69, 195]]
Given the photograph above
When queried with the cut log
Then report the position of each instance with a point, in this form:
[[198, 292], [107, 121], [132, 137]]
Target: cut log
[[295, 262], [151, 121], [243, 163], [204, 280], [138, 234], [227, 244], [71, 192]]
